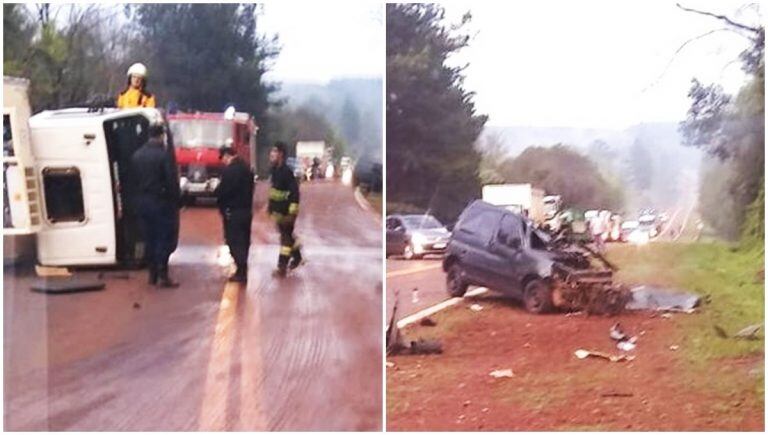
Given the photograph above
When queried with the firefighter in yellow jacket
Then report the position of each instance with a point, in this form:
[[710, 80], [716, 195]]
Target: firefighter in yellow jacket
[[135, 93], [284, 208]]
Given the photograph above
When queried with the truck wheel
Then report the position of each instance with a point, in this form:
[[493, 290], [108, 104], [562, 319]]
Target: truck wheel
[[454, 281], [538, 297]]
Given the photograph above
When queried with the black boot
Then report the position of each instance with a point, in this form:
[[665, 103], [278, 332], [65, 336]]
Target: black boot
[[296, 259], [152, 274], [163, 280]]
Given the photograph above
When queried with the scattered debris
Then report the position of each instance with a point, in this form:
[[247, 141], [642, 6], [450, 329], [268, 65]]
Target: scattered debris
[[484, 410], [626, 345], [582, 354], [46, 271], [390, 364], [476, 307], [424, 347], [527, 345], [467, 403], [70, 284], [574, 313], [136, 305], [427, 322], [617, 395], [666, 316], [674, 347], [660, 299], [617, 333], [506, 373], [749, 333], [415, 295]]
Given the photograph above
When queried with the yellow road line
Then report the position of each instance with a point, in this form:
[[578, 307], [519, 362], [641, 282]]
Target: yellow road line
[[220, 376], [413, 270]]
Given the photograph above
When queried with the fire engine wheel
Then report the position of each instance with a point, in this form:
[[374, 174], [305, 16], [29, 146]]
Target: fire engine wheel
[[454, 281], [538, 297]]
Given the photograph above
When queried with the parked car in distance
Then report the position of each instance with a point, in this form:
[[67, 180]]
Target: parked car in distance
[[501, 250], [414, 236]]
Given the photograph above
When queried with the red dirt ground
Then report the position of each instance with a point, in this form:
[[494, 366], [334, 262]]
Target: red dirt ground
[[552, 389]]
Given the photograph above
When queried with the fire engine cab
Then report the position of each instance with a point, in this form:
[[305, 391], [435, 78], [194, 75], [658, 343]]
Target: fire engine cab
[[198, 138]]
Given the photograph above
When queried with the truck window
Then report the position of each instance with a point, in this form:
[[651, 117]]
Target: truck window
[[63, 195]]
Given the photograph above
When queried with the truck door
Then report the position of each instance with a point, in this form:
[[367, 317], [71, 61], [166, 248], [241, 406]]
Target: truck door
[[124, 136], [78, 215]]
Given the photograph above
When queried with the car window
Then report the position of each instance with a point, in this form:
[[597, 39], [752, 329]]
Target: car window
[[510, 228], [481, 225]]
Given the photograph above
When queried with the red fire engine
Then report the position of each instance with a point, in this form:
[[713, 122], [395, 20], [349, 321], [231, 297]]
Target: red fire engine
[[198, 137]]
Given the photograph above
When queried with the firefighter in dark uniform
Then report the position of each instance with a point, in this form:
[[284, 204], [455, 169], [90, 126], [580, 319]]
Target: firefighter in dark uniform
[[158, 200], [235, 199], [284, 208]]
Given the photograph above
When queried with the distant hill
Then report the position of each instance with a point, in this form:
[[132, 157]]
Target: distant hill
[[675, 166], [363, 95]]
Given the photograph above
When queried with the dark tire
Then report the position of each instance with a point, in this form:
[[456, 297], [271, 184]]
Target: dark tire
[[538, 297], [454, 281]]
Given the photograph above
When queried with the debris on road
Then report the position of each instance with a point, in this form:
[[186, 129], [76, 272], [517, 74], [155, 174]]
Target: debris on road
[[415, 295], [427, 321], [506, 373], [136, 305], [424, 347], [616, 332], [661, 299], [666, 316], [626, 345], [674, 347], [390, 364], [73, 284], [749, 333], [617, 395], [582, 354], [46, 271], [476, 307]]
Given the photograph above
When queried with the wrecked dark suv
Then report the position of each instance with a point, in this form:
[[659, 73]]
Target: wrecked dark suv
[[496, 248]]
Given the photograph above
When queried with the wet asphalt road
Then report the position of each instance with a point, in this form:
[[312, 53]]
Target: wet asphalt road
[[426, 276], [299, 354]]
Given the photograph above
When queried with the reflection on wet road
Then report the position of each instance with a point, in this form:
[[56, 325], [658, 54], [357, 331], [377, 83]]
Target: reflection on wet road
[[299, 354]]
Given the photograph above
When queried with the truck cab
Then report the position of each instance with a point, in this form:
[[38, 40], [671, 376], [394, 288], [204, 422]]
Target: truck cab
[[82, 162], [198, 138]]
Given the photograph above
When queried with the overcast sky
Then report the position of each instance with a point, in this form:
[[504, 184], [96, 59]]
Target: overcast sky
[[594, 63], [324, 40]]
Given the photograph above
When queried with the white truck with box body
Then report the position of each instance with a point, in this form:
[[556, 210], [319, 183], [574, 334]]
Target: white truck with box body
[[523, 199]]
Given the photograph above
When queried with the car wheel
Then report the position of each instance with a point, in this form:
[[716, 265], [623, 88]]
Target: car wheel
[[408, 253], [538, 297], [454, 281]]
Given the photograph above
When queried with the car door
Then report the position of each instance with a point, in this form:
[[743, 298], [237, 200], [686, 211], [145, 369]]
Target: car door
[[395, 236], [507, 247], [476, 258]]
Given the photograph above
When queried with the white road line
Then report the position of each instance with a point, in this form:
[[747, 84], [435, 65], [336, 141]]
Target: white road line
[[413, 270], [439, 307]]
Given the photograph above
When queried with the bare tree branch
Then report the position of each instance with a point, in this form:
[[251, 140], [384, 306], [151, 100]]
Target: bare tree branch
[[723, 18], [679, 49]]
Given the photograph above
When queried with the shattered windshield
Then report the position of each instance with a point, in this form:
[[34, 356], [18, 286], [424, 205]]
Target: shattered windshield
[[201, 133]]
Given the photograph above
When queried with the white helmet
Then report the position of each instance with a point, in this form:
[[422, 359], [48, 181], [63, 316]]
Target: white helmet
[[137, 69]]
